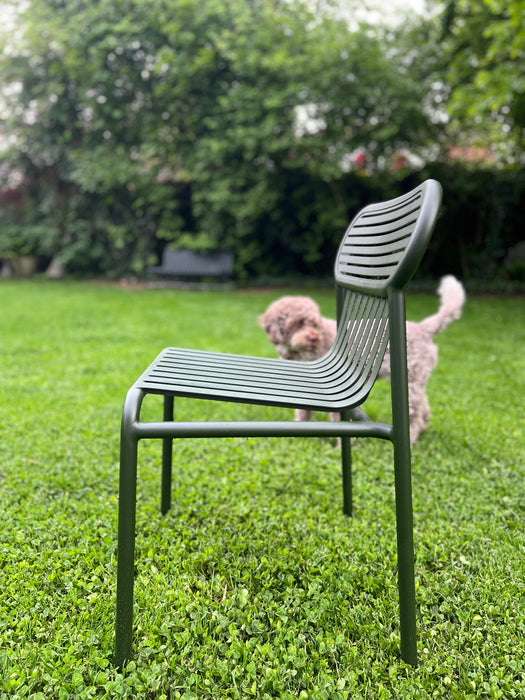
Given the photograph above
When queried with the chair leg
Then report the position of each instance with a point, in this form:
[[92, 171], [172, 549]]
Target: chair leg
[[403, 479], [346, 460], [126, 544], [167, 458], [405, 553]]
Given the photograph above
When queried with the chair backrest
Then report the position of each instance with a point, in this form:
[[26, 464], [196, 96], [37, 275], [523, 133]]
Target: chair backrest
[[381, 249], [385, 242]]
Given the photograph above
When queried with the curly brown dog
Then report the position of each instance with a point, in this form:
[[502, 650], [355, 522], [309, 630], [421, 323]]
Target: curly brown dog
[[299, 332]]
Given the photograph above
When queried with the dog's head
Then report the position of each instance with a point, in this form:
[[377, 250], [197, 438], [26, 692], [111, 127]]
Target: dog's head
[[294, 325]]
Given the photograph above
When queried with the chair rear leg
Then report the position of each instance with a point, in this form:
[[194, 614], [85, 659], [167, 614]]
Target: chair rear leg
[[346, 446], [167, 459], [403, 478], [405, 552], [346, 462]]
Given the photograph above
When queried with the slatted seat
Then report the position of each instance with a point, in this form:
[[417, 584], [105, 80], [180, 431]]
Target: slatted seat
[[330, 384], [378, 255]]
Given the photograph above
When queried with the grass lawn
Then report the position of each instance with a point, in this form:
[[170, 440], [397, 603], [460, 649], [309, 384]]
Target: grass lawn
[[254, 584]]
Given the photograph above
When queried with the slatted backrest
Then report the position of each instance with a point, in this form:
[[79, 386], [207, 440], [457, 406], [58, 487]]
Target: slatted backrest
[[382, 247], [385, 242]]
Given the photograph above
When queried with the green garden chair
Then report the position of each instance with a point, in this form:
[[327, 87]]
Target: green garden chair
[[378, 255]]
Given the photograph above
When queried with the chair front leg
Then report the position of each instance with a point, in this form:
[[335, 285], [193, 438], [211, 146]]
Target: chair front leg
[[126, 532]]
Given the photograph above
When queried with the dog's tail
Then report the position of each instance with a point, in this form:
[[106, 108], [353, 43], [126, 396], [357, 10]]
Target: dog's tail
[[453, 297]]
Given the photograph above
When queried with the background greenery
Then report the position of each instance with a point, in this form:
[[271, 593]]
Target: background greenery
[[254, 585], [128, 124]]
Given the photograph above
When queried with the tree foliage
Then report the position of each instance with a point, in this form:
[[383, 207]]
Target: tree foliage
[[484, 41], [192, 120]]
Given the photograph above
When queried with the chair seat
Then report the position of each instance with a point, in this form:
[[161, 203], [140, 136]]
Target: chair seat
[[320, 385]]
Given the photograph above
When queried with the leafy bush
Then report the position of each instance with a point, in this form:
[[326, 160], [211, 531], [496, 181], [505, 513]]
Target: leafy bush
[[481, 220], [154, 120]]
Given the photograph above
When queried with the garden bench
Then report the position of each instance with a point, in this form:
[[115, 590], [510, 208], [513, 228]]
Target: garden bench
[[193, 264], [378, 255]]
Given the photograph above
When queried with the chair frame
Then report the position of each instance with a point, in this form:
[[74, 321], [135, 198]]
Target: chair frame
[[382, 287]]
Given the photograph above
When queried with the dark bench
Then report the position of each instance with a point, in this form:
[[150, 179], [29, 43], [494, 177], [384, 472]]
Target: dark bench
[[186, 264]]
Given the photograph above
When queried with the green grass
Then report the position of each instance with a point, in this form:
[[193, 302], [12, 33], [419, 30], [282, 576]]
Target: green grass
[[254, 584]]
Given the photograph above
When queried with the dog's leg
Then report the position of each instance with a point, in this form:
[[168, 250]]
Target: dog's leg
[[302, 414], [336, 417]]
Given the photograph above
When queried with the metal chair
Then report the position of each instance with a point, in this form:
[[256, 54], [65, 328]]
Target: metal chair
[[378, 255]]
